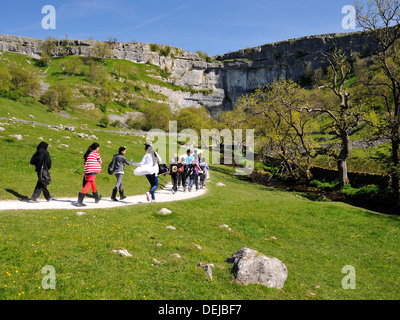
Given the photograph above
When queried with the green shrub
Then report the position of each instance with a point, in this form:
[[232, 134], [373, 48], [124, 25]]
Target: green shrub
[[157, 116], [165, 51], [57, 96], [325, 186], [40, 63], [315, 197], [154, 47], [50, 99], [363, 193], [104, 121], [116, 124]]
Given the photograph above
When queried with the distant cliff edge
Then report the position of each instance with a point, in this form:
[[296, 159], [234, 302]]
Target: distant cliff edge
[[218, 83]]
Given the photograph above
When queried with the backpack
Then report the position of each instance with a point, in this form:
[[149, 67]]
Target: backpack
[[162, 169], [111, 166], [175, 169]]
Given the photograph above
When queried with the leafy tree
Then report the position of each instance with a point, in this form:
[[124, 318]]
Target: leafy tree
[[50, 98], [48, 46], [195, 118], [103, 96], [98, 73], [104, 121], [72, 65], [64, 95], [157, 116], [102, 50], [381, 77], [57, 96], [24, 81], [5, 80], [281, 124], [335, 101]]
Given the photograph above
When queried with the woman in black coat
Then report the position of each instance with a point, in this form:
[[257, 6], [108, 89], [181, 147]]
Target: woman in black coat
[[41, 160]]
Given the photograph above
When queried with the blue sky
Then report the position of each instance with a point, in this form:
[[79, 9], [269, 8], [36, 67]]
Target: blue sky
[[213, 26]]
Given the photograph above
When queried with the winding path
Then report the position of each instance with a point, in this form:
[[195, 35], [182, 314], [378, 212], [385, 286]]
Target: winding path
[[163, 195]]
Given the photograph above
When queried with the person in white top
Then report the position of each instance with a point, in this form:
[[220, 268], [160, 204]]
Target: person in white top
[[149, 168]]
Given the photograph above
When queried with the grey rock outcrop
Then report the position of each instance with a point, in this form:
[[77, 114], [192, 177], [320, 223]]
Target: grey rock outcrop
[[249, 266], [219, 84]]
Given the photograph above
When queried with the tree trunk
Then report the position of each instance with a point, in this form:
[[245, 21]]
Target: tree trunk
[[342, 159], [395, 171], [342, 168]]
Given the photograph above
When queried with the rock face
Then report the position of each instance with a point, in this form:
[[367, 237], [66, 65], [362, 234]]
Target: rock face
[[216, 85], [249, 266]]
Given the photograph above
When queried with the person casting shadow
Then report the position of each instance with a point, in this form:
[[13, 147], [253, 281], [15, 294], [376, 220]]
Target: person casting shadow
[[93, 163], [149, 168], [42, 161]]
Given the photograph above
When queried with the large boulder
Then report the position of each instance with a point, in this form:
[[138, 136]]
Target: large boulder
[[250, 266]]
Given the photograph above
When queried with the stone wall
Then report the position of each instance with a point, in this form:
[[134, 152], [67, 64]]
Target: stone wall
[[356, 179]]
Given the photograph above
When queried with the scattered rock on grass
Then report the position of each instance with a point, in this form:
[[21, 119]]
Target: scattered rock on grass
[[164, 211], [176, 255], [220, 184], [17, 136], [170, 227], [197, 246], [225, 226], [250, 266], [81, 213], [207, 267], [122, 252]]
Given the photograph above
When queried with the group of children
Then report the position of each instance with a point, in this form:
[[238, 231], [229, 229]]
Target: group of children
[[187, 172]]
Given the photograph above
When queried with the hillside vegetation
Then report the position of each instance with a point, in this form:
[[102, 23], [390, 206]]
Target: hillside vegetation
[[115, 93]]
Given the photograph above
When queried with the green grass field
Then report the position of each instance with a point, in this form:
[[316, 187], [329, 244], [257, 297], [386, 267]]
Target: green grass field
[[314, 240]]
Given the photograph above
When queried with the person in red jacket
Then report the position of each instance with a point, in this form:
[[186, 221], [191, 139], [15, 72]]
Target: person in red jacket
[[92, 168]]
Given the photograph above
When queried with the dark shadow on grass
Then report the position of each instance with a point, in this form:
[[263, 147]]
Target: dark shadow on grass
[[17, 195]]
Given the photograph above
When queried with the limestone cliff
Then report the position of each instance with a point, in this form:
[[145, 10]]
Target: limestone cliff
[[215, 85]]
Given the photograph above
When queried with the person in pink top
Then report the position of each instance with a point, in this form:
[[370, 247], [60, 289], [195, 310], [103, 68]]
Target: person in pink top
[[93, 163]]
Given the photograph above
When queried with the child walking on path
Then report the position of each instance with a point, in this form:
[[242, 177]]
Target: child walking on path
[[186, 174], [42, 161], [204, 167], [119, 161], [175, 172], [149, 167], [194, 175], [93, 163]]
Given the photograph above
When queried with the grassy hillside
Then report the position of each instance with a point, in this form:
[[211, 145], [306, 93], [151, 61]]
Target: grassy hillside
[[314, 240], [112, 86], [66, 148]]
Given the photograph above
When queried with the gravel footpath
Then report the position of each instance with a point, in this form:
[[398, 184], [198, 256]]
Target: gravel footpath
[[163, 195]]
